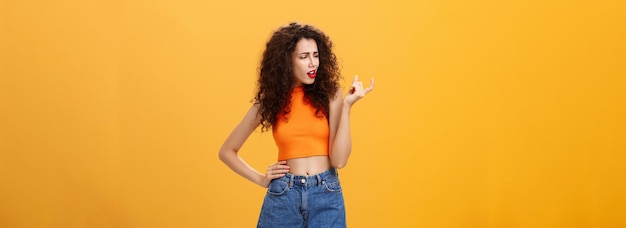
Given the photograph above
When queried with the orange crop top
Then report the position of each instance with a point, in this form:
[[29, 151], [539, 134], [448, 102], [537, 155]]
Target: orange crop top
[[302, 133]]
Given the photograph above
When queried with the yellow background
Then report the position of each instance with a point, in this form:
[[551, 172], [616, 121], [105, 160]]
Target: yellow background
[[485, 113]]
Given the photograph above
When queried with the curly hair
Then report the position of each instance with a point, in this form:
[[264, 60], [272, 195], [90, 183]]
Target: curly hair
[[276, 78]]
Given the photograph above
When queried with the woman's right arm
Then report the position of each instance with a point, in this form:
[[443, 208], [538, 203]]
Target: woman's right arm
[[228, 152]]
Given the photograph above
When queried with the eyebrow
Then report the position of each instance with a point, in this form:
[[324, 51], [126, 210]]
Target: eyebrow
[[306, 53]]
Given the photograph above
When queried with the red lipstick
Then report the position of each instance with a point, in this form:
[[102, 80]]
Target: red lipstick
[[312, 74]]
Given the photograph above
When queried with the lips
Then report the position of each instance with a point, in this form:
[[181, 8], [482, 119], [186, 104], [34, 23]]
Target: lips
[[311, 74]]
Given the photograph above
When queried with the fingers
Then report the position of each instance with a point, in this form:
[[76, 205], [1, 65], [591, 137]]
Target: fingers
[[278, 169], [357, 91], [355, 81], [357, 86], [371, 86]]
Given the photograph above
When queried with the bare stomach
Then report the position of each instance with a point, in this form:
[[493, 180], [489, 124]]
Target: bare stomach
[[309, 165]]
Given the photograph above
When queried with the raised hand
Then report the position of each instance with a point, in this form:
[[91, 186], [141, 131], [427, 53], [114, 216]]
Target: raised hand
[[357, 91]]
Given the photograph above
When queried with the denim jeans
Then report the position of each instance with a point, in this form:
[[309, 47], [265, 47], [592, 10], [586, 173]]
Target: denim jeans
[[304, 201]]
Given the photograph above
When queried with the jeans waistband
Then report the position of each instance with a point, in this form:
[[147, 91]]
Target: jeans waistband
[[317, 179]]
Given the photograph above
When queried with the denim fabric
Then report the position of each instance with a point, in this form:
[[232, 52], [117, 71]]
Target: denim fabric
[[304, 201]]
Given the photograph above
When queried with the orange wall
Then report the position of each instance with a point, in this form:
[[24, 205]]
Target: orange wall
[[485, 114]]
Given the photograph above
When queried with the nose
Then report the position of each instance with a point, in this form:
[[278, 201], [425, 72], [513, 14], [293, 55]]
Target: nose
[[312, 62]]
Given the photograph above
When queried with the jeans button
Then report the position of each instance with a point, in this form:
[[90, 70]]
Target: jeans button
[[303, 180]]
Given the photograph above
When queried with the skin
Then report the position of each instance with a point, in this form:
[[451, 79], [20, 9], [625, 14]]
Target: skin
[[304, 59]]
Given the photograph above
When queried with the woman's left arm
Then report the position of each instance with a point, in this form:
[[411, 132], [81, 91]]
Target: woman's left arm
[[340, 140]]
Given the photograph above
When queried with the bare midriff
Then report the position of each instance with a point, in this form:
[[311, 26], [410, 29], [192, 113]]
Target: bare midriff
[[309, 165]]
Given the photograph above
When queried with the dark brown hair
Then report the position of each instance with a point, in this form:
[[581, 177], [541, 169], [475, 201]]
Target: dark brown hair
[[276, 78]]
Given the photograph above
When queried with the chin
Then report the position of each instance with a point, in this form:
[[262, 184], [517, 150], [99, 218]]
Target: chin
[[308, 81]]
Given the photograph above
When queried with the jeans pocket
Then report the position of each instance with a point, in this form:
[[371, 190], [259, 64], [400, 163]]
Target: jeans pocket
[[277, 187], [333, 186]]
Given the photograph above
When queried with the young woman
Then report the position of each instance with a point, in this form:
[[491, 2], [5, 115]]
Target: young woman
[[299, 99]]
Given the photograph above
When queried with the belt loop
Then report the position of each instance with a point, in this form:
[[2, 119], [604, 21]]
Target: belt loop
[[319, 180], [290, 181]]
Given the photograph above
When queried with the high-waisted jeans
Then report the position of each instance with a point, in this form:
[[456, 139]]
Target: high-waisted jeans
[[304, 201]]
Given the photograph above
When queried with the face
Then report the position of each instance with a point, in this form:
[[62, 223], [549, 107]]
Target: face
[[305, 60]]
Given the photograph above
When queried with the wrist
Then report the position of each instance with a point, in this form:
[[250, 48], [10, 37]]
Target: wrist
[[346, 105], [262, 181]]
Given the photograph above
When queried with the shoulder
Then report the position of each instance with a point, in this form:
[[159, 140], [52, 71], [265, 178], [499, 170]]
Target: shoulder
[[337, 95], [335, 100]]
